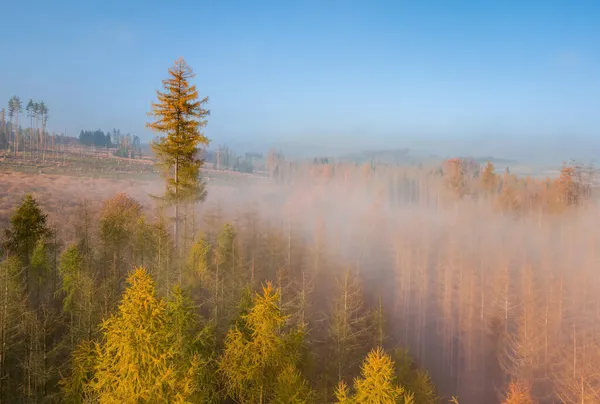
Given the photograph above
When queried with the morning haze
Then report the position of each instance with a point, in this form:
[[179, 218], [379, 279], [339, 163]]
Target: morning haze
[[299, 202]]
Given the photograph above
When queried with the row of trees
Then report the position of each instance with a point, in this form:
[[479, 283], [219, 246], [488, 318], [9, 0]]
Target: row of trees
[[35, 137], [126, 145], [453, 181], [226, 159]]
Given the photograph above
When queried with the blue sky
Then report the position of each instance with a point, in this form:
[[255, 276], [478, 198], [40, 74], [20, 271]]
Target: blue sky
[[345, 74]]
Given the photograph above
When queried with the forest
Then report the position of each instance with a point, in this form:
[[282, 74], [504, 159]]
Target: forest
[[325, 283]]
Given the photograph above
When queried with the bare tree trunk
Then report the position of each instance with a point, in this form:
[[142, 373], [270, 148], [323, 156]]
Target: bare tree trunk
[[176, 224], [17, 135], [3, 333]]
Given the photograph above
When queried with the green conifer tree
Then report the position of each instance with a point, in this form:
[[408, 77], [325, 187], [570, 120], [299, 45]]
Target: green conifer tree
[[28, 225]]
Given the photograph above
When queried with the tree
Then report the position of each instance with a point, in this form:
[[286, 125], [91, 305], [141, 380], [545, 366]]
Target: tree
[[292, 388], [28, 226], [180, 115], [455, 176], [145, 354], [257, 353], [36, 116], [518, 393], [415, 381], [117, 228], [18, 106], [3, 137], [348, 327], [43, 114], [376, 383], [567, 189], [77, 289], [15, 106], [489, 180], [12, 306], [30, 114]]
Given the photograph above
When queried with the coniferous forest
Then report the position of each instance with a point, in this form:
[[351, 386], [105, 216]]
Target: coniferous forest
[[328, 282]]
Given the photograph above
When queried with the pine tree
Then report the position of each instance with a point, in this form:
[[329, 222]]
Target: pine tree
[[180, 116]]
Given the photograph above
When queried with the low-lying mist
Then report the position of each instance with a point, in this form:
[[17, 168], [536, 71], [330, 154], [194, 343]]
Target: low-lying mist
[[482, 296]]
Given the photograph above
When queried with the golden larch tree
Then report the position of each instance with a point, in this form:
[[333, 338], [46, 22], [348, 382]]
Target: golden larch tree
[[179, 114]]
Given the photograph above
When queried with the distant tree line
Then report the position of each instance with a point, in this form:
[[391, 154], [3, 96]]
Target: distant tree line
[[126, 145], [95, 138], [226, 159]]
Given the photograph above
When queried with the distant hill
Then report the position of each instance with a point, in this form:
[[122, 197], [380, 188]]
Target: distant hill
[[404, 156], [493, 160], [391, 156]]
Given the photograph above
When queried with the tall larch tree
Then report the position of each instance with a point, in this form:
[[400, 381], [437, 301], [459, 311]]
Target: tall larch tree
[[180, 116]]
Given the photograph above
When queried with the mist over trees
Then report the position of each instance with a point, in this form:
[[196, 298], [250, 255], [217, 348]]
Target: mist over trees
[[327, 282]]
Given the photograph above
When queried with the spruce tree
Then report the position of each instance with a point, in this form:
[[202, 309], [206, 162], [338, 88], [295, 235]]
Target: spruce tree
[[179, 114], [28, 226]]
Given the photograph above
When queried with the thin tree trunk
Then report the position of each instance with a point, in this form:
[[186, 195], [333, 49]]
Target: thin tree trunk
[[175, 227], [17, 135], [4, 319]]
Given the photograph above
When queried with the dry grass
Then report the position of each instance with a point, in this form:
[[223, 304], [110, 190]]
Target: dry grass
[[60, 195]]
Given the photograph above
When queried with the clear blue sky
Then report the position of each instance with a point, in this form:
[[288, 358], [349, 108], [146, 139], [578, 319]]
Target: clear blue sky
[[314, 71]]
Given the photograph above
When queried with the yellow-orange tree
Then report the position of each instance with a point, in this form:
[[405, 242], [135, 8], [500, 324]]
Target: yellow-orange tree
[[179, 114]]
